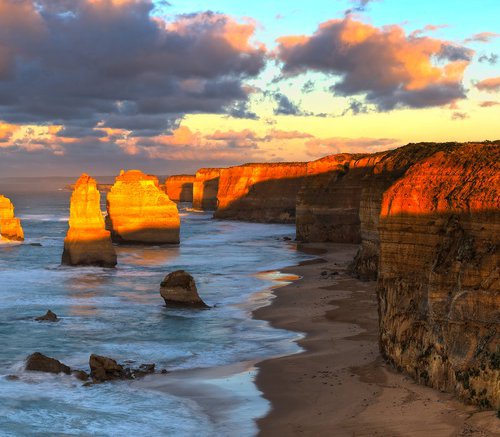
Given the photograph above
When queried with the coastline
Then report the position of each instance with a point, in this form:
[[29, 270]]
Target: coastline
[[340, 384]]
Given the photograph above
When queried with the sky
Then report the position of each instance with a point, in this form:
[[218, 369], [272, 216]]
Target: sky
[[171, 86]]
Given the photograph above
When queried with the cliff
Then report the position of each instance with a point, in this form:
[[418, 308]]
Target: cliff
[[10, 226], [260, 192], [140, 212], [205, 187], [439, 271], [87, 242], [179, 188]]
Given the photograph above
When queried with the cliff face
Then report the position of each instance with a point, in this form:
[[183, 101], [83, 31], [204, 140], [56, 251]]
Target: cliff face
[[140, 212], [179, 188], [439, 272], [10, 226], [328, 202], [205, 187], [260, 192], [87, 242]]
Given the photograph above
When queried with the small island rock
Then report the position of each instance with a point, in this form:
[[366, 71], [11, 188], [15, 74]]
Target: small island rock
[[48, 317], [179, 289], [38, 362]]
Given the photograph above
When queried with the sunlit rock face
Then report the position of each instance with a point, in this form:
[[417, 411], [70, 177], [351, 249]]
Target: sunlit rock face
[[329, 200], [260, 192], [87, 241], [179, 188], [439, 271], [205, 187], [10, 226], [139, 211]]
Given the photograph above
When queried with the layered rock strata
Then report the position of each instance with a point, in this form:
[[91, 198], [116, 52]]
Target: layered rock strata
[[205, 187], [140, 212], [10, 226], [439, 272], [260, 192], [179, 188], [87, 241]]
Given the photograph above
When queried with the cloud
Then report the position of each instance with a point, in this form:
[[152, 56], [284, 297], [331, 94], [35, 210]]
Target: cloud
[[285, 106], [319, 147], [359, 6], [489, 85], [276, 134], [389, 68], [482, 37], [88, 63], [459, 116], [492, 59], [488, 103]]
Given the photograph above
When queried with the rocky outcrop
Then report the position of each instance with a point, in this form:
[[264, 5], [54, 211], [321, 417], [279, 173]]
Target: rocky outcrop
[[48, 317], [140, 212], [260, 192], [87, 241], [10, 226], [38, 362], [178, 289], [439, 271], [205, 187], [104, 369], [179, 188]]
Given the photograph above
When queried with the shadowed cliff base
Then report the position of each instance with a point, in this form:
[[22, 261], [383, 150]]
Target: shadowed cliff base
[[205, 188], [179, 188]]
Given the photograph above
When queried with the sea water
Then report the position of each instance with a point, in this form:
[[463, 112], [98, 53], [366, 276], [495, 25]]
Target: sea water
[[119, 313]]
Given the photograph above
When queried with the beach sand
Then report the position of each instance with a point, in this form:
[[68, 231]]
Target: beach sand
[[340, 385]]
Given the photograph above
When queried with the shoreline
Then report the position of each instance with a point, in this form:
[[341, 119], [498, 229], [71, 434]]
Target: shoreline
[[340, 385]]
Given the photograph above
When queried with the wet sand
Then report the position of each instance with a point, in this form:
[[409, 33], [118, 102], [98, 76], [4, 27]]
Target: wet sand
[[340, 386]]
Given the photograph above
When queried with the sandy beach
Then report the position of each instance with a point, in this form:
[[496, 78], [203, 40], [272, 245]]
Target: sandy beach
[[340, 385]]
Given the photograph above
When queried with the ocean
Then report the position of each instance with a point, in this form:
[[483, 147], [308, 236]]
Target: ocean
[[209, 354]]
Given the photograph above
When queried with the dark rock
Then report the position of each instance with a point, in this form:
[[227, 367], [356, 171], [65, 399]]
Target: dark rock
[[287, 239], [35, 244], [147, 368], [49, 317], [324, 273], [179, 289], [81, 375], [164, 371], [105, 369], [38, 362]]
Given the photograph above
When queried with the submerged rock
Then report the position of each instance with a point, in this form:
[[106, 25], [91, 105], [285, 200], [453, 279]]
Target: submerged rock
[[38, 362], [48, 317], [10, 226], [179, 289], [139, 211], [87, 241]]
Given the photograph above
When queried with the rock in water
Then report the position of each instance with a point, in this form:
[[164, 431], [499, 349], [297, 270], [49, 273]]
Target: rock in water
[[179, 289], [140, 212], [87, 241], [38, 362], [10, 226], [48, 317], [105, 369]]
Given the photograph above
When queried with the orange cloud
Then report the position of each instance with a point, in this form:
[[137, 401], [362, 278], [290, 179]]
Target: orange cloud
[[490, 85], [489, 103], [319, 147]]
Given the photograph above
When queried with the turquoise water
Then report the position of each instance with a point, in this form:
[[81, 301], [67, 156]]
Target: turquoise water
[[119, 313]]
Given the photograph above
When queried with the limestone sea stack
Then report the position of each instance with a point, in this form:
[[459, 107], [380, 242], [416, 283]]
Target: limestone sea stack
[[179, 188], [264, 192], [87, 241], [205, 187], [178, 289], [439, 272], [10, 226], [139, 211]]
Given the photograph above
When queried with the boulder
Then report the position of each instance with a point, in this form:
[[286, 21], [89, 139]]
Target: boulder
[[48, 317], [10, 226], [38, 362], [179, 289], [87, 241], [105, 369], [140, 212]]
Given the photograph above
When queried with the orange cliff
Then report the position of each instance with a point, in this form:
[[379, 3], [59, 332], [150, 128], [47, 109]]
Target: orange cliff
[[263, 192], [87, 241], [139, 211], [439, 272], [179, 188], [10, 226], [205, 187]]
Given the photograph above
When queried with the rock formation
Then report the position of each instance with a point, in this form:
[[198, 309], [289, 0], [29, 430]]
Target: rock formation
[[87, 241], [439, 272], [140, 212], [38, 362], [104, 369], [260, 192], [179, 289], [179, 188], [48, 317], [205, 187], [10, 226]]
